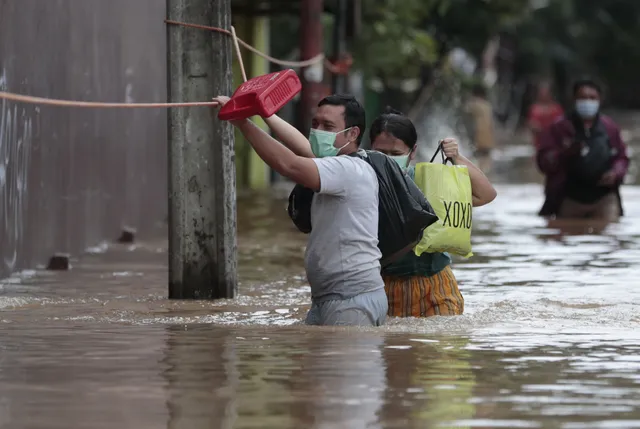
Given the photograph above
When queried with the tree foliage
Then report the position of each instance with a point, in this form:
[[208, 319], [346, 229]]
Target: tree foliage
[[394, 42], [400, 37], [575, 37], [562, 39]]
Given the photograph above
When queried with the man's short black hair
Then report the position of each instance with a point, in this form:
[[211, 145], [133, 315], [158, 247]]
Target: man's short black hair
[[354, 114], [589, 83]]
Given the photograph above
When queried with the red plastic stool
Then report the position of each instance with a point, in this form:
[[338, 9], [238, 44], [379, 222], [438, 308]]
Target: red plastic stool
[[262, 95]]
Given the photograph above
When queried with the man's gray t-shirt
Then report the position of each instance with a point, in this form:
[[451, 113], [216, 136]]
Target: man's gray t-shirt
[[342, 258]]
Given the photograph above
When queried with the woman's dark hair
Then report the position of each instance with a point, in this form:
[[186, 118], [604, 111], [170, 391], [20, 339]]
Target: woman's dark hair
[[395, 123]]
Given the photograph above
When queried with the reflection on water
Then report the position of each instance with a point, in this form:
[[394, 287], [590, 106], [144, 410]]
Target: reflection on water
[[549, 338]]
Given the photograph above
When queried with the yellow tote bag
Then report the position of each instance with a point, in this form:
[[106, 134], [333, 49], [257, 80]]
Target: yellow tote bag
[[448, 190]]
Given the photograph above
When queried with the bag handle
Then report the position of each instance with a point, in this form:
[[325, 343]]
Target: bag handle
[[439, 150]]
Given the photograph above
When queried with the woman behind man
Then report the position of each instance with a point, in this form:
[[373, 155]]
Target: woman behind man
[[422, 286]]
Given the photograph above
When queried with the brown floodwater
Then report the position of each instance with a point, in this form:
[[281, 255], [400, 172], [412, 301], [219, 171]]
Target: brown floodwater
[[549, 338]]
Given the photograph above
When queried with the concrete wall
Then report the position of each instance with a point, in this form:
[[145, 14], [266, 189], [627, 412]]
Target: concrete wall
[[70, 178]]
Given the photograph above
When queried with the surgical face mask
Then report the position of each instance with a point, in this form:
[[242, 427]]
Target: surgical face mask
[[587, 109], [402, 160], [322, 142]]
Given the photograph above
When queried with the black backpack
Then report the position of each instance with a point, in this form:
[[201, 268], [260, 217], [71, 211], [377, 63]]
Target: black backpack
[[597, 157], [404, 212]]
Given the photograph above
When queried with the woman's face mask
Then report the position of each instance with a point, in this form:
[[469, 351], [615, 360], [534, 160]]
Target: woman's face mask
[[322, 142], [402, 160], [393, 147]]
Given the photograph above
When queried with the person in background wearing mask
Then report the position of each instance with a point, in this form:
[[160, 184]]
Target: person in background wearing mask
[[342, 260], [584, 160], [422, 286], [544, 112]]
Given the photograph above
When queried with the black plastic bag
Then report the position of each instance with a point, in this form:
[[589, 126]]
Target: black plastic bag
[[404, 212]]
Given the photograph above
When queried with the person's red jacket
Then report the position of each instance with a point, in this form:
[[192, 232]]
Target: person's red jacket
[[543, 117], [556, 149]]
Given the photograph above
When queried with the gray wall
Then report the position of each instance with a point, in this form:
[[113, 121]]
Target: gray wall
[[71, 177]]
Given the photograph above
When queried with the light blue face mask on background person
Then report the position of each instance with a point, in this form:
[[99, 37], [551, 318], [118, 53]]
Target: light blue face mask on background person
[[322, 142], [587, 109]]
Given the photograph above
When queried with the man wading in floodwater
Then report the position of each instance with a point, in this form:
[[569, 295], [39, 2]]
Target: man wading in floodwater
[[584, 160], [342, 259]]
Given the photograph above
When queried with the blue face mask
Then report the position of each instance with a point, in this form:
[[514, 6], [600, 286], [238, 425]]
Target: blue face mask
[[322, 142], [402, 160], [587, 109]]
